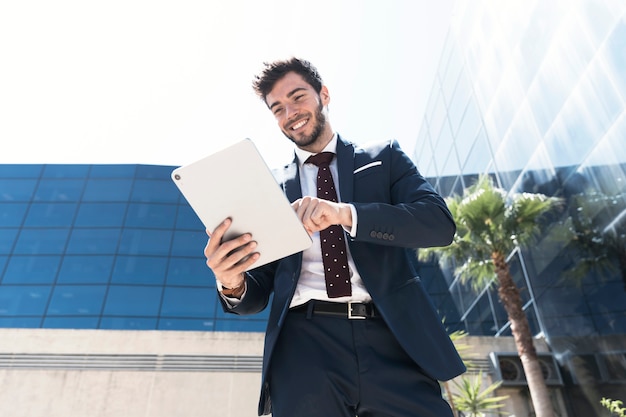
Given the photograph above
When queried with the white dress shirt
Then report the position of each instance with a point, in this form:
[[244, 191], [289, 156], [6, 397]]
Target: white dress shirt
[[311, 284]]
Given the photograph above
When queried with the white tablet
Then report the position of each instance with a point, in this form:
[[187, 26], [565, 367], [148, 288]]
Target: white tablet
[[235, 182]]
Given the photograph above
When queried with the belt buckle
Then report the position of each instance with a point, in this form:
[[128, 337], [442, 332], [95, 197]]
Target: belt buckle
[[350, 315]]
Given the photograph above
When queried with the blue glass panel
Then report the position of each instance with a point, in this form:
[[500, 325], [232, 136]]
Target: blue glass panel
[[128, 300], [107, 190], [85, 269], [160, 216], [186, 218], [154, 171], [190, 271], [237, 325], [93, 241], [20, 322], [112, 171], [186, 324], [76, 300], [59, 190], [3, 262], [20, 171], [128, 323], [71, 322], [12, 214], [50, 214], [66, 171], [7, 239], [145, 242], [41, 241], [17, 189], [188, 302], [155, 191], [100, 215], [189, 243], [139, 270], [31, 269], [23, 300]]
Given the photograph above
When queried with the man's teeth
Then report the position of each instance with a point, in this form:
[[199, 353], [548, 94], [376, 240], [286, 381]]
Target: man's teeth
[[299, 125]]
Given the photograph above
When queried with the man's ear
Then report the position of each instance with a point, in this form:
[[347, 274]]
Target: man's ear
[[324, 96]]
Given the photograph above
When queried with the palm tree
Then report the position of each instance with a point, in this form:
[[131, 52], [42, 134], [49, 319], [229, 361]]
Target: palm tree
[[598, 247], [473, 401], [490, 225]]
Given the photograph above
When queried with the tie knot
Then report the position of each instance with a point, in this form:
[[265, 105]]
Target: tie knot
[[322, 158]]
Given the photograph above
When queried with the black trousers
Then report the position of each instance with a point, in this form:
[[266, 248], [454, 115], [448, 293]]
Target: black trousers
[[326, 366]]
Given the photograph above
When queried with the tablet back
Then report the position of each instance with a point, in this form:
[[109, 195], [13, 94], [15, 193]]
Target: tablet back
[[235, 182]]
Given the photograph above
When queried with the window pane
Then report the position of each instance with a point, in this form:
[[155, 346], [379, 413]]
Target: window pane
[[77, 300], [155, 191], [12, 214], [145, 242], [151, 215], [127, 300], [189, 243], [20, 171], [85, 269], [112, 171], [93, 241], [31, 270], [70, 322], [20, 322], [65, 171], [139, 270], [128, 323], [50, 214], [23, 300], [7, 239], [187, 219], [100, 215], [107, 190], [59, 190], [189, 302], [190, 271], [17, 189], [186, 324], [154, 171], [41, 241]]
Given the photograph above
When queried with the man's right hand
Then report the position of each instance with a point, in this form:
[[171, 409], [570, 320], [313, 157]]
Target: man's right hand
[[229, 260]]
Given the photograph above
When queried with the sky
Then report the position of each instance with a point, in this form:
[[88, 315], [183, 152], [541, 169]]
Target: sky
[[169, 82]]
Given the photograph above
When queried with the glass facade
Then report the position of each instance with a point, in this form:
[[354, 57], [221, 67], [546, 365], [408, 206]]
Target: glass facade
[[104, 247], [534, 94]]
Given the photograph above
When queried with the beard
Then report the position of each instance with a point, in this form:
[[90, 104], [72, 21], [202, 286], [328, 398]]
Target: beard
[[303, 141]]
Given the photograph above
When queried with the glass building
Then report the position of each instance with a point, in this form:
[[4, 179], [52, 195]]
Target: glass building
[[533, 93], [104, 247]]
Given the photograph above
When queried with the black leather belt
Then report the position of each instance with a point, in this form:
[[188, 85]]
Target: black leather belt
[[347, 310]]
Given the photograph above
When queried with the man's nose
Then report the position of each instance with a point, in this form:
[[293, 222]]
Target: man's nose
[[291, 112]]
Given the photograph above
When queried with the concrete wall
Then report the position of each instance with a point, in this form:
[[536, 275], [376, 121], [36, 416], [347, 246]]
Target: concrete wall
[[100, 373]]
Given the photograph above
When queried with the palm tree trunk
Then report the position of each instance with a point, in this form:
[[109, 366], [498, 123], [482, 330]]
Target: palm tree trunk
[[446, 387], [512, 302]]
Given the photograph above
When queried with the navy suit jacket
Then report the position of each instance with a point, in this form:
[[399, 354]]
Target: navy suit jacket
[[398, 211]]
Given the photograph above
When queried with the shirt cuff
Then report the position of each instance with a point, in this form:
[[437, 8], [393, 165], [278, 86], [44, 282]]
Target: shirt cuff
[[352, 230]]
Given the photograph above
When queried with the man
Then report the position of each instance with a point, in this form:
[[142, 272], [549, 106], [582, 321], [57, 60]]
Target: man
[[368, 343]]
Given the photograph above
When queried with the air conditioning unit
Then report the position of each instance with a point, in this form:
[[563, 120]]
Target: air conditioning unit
[[508, 369]]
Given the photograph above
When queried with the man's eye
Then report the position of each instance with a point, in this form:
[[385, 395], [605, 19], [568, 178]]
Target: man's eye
[[278, 111]]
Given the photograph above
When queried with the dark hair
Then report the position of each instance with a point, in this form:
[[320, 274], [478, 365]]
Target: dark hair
[[274, 71]]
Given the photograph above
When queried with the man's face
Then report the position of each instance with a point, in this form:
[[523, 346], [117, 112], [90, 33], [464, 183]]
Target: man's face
[[299, 111]]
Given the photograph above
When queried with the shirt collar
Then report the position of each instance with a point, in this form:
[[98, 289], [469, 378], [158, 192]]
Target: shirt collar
[[304, 155]]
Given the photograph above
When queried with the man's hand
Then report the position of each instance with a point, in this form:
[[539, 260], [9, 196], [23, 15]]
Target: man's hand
[[317, 214], [229, 260]]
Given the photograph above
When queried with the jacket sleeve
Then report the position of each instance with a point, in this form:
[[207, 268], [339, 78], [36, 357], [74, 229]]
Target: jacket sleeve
[[396, 206]]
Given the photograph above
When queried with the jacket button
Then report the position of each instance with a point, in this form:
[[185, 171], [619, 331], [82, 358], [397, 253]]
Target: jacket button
[[372, 234], [379, 235], [391, 236], [385, 236]]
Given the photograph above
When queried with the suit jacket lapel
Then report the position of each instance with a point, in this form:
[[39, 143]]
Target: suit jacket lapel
[[289, 180], [345, 168]]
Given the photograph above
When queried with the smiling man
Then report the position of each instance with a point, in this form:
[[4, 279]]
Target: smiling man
[[351, 330]]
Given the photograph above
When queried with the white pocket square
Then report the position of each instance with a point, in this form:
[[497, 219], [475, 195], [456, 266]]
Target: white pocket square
[[364, 167]]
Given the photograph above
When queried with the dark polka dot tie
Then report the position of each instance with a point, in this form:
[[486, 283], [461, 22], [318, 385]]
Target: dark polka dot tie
[[332, 239]]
